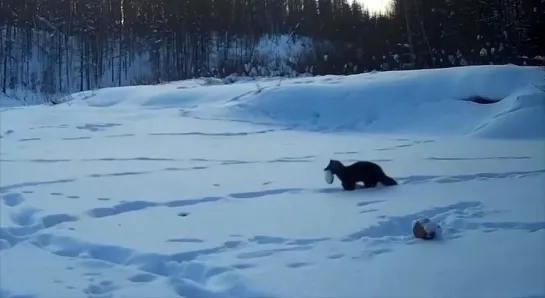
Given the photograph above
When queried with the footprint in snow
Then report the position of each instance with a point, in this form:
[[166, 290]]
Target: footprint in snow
[[13, 199], [298, 265], [100, 288]]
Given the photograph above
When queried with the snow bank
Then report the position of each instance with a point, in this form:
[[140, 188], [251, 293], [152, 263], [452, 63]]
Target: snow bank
[[434, 101], [520, 115], [424, 101]]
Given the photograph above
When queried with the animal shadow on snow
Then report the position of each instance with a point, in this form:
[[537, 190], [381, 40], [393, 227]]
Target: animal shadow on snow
[[359, 188]]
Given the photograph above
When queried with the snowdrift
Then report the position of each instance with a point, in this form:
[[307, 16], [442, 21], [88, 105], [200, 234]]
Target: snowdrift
[[435, 101]]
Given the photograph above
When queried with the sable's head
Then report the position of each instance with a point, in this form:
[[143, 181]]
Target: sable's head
[[334, 166]]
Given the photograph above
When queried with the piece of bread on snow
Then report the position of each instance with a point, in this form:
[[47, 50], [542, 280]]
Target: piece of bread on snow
[[425, 229]]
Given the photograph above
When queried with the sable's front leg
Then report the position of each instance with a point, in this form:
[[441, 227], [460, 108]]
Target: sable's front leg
[[349, 185]]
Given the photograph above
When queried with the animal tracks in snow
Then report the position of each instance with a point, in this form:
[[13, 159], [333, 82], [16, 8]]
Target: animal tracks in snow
[[28, 221], [29, 224], [413, 179], [13, 199], [183, 271], [94, 127], [191, 257], [187, 271]]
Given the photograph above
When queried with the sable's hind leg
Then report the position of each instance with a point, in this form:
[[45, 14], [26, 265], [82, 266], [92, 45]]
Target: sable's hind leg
[[349, 185], [370, 184]]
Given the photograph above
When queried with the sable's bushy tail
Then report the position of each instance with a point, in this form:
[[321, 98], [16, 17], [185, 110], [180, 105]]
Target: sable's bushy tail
[[388, 181]]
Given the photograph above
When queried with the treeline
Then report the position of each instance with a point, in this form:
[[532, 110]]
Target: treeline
[[63, 46]]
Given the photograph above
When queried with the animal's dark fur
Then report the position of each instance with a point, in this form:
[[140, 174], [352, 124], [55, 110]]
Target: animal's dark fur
[[365, 171]]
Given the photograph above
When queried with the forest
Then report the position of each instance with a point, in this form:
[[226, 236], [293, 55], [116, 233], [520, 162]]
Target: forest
[[66, 46]]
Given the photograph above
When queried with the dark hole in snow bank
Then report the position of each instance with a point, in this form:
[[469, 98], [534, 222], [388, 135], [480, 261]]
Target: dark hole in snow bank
[[481, 100]]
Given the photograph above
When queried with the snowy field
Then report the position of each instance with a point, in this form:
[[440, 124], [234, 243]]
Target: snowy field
[[204, 189]]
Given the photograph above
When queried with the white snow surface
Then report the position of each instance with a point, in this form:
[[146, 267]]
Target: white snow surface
[[192, 189]]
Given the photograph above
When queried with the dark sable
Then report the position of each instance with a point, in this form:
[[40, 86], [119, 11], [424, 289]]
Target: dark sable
[[365, 171]]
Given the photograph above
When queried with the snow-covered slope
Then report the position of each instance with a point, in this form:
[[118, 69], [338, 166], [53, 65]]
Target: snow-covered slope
[[205, 189], [420, 101]]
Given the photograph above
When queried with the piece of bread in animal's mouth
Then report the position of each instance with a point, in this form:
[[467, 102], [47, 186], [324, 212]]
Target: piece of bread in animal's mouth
[[328, 176]]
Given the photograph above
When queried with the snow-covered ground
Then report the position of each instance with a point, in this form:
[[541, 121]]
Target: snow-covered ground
[[197, 189]]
